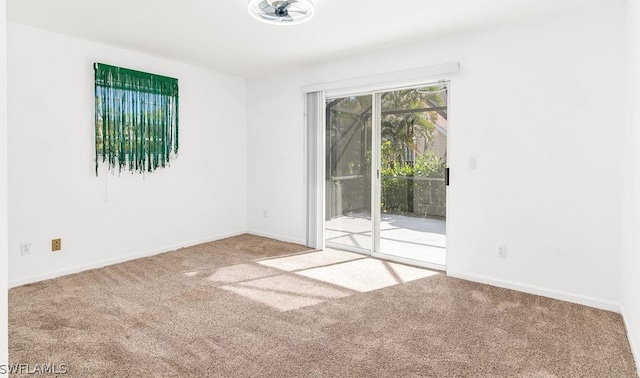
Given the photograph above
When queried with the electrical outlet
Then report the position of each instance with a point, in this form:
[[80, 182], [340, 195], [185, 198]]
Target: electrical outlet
[[56, 245], [25, 249], [502, 251]]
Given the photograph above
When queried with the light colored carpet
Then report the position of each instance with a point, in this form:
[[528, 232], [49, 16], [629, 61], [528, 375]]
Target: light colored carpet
[[232, 308]]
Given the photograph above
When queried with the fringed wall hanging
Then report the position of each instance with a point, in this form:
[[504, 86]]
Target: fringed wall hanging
[[136, 119]]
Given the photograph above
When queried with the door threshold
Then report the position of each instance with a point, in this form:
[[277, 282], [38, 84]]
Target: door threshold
[[412, 262], [384, 256], [348, 248]]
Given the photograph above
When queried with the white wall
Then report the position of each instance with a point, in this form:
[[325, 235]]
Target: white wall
[[538, 104], [276, 199], [53, 190], [631, 209], [3, 187]]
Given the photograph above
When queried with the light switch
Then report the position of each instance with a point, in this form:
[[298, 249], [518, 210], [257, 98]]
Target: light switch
[[473, 163]]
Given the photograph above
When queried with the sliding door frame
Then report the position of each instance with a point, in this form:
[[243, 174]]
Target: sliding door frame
[[376, 181], [315, 154]]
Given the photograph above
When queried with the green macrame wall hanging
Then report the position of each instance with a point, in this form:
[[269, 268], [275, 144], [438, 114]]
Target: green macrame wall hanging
[[136, 119]]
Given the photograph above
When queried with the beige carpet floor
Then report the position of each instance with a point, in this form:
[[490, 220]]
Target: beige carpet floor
[[231, 308]]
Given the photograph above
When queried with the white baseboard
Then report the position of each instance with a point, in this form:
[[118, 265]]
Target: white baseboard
[[117, 260], [560, 295], [630, 336], [278, 237]]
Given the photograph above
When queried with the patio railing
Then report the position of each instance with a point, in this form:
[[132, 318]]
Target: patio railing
[[420, 196]]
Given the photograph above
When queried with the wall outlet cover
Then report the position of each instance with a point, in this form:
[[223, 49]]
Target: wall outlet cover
[[25, 248]]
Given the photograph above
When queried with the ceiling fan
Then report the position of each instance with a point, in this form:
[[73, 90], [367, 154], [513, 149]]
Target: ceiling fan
[[283, 12]]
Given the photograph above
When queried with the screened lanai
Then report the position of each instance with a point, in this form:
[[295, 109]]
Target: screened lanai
[[411, 138]]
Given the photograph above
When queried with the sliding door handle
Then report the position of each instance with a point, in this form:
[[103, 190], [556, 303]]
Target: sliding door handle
[[446, 176]]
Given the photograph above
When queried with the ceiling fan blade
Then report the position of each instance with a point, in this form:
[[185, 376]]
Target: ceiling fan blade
[[287, 4], [287, 18], [266, 7], [269, 17]]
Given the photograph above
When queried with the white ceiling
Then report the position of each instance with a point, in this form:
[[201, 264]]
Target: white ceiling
[[221, 35]]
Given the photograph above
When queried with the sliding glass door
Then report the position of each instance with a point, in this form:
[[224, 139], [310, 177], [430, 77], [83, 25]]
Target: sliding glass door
[[412, 135], [402, 177], [348, 173]]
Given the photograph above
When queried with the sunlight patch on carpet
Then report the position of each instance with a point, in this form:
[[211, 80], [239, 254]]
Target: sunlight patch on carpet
[[310, 260], [367, 274], [241, 272], [286, 293]]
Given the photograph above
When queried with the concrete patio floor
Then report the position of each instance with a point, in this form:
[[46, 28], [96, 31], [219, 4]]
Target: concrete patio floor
[[402, 236]]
